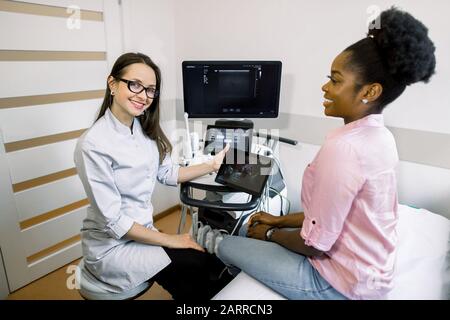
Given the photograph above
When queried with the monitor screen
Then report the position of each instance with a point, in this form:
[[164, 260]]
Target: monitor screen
[[231, 89]]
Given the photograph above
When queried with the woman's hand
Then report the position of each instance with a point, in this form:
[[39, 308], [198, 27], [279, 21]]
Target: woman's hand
[[218, 158], [183, 241], [258, 231], [264, 218]]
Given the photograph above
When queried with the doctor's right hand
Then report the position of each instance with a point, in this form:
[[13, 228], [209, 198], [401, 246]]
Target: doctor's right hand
[[183, 241], [216, 162]]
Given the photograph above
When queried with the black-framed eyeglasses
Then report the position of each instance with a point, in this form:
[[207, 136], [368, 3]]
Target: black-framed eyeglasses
[[136, 87]]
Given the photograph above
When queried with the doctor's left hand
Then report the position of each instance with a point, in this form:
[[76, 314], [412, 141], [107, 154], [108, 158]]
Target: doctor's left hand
[[183, 241], [218, 158]]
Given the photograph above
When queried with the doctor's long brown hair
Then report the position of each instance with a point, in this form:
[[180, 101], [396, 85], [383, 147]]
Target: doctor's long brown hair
[[150, 119]]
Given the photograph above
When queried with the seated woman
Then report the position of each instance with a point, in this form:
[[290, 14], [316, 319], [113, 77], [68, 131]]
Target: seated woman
[[119, 160], [344, 244]]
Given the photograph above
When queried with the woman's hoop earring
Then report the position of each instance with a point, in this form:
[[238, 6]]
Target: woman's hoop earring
[[365, 101]]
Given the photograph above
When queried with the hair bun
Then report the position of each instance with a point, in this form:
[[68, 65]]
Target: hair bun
[[404, 46]]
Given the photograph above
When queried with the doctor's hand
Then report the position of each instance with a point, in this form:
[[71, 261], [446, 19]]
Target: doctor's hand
[[218, 158], [183, 241], [258, 231], [264, 218]]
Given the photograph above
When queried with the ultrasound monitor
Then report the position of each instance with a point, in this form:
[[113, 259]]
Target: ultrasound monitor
[[231, 89]]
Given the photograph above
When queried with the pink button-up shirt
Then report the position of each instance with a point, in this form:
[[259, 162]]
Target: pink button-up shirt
[[350, 202]]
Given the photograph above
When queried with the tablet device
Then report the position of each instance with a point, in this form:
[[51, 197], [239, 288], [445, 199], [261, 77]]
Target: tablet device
[[247, 173]]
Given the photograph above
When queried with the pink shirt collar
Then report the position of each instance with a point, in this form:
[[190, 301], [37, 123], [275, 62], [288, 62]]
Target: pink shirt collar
[[372, 120]]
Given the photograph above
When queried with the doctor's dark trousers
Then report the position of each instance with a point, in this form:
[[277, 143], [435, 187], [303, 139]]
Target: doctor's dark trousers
[[192, 275]]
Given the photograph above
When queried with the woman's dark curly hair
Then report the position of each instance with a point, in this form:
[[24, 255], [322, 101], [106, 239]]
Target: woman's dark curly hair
[[397, 54]]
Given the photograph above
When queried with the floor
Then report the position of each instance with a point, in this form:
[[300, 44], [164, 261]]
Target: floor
[[54, 285]]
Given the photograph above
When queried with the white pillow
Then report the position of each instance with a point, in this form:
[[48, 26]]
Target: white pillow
[[422, 269]]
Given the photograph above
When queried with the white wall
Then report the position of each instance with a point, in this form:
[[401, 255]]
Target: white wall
[[306, 36]]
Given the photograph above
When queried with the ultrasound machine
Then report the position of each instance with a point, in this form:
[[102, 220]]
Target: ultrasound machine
[[250, 178]]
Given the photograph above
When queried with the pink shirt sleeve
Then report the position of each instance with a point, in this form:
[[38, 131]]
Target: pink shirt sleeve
[[330, 186]]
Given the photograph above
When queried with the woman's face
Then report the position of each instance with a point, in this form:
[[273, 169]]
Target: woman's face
[[341, 100], [127, 104]]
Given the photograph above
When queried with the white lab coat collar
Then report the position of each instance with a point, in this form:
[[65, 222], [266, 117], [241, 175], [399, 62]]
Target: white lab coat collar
[[118, 126]]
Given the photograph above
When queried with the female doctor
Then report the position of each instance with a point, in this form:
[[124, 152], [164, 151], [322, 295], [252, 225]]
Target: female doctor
[[119, 160], [343, 245]]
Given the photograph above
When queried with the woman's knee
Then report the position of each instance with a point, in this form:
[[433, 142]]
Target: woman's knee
[[234, 249], [225, 248]]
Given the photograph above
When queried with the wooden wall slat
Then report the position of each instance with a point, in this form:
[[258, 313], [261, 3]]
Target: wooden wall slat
[[44, 179], [38, 55], [40, 141], [53, 214], [45, 10], [59, 246], [15, 102]]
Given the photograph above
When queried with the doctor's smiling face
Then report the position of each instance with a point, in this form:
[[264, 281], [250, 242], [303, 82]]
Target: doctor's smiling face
[[342, 99], [133, 92]]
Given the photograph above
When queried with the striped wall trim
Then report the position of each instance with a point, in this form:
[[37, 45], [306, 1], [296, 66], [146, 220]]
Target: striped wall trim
[[40, 141], [34, 55], [55, 248], [46, 10], [25, 101], [28, 184], [52, 214]]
